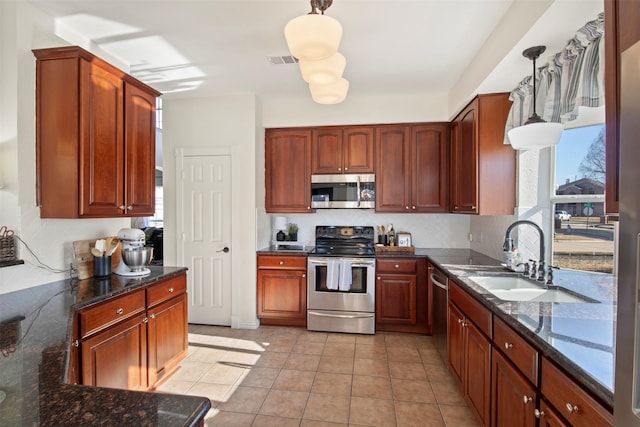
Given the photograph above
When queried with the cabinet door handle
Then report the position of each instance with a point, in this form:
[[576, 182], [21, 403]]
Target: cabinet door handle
[[406, 207], [145, 320], [75, 343], [153, 316], [346, 169], [121, 207], [120, 311], [572, 408], [378, 277], [508, 345], [304, 275], [538, 413], [339, 169], [413, 207], [170, 290], [527, 399], [130, 207]]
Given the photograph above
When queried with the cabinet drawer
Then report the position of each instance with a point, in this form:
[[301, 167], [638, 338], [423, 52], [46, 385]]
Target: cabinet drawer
[[396, 265], [166, 290], [106, 314], [471, 307], [571, 401], [521, 354], [288, 262]]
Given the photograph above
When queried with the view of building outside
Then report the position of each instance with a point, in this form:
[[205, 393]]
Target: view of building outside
[[583, 235]]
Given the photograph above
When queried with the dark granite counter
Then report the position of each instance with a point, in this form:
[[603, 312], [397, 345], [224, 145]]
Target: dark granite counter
[[577, 336], [35, 337], [292, 249]]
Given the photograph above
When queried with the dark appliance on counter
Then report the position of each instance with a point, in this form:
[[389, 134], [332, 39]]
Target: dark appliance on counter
[[343, 191], [341, 280], [154, 238]]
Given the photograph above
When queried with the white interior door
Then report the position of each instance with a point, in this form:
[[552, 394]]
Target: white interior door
[[204, 221]]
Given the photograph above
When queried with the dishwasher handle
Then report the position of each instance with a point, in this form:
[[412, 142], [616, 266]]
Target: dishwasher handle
[[435, 281]]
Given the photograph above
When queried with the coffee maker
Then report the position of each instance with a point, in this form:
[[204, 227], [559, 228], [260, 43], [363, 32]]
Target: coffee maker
[[134, 255]]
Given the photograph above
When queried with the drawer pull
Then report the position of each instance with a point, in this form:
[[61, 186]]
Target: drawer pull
[[281, 262], [538, 413], [120, 311], [572, 408], [508, 345], [397, 266], [170, 290], [527, 399]]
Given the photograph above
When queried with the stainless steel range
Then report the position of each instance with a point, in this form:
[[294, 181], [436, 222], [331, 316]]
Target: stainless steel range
[[341, 280]]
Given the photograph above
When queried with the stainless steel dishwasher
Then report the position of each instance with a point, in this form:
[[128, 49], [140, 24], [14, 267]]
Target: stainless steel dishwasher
[[439, 283]]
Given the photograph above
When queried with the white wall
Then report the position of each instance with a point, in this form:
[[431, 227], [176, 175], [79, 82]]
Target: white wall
[[228, 121], [23, 28]]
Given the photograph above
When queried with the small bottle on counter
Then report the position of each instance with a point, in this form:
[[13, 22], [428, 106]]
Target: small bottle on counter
[[391, 235]]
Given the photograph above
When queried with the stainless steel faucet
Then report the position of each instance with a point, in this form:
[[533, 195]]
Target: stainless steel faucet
[[541, 264]]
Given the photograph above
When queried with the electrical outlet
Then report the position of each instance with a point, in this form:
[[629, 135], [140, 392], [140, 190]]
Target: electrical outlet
[[471, 237]]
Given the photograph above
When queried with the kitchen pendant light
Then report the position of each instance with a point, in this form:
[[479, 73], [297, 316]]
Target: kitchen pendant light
[[333, 93], [324, 71], [314, 36], [536, 133]]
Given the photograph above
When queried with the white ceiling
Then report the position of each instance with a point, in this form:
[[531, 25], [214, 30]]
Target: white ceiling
[[187, 48]]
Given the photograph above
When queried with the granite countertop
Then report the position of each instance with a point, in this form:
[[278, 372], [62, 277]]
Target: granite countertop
[[292, 249], [35, 337], [577, 336]]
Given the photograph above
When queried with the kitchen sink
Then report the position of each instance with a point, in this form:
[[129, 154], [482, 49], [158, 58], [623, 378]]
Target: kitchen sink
[[521, 289]]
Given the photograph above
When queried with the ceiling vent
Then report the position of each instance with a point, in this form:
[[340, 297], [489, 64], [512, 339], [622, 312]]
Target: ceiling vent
[[282, 60]]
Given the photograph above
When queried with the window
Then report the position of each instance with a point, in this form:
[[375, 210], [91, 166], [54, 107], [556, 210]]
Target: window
[[583, 236]]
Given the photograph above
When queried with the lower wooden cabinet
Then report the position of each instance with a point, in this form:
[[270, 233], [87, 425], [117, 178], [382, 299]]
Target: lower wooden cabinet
[[135, 340], [167, 337], [506, 382], [470, 350], [402, 295], [570, 400], [548, 417], [117, 357], [513, 399], [282, 290]]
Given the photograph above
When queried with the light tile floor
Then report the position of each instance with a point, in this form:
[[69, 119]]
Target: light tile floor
[[281, 376]]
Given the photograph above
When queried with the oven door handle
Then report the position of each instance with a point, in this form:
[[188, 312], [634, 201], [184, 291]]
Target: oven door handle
[[353, 264], [342, 316], [439, 284]]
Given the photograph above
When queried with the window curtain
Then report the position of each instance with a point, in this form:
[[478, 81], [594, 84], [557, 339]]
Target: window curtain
[[573, 78]]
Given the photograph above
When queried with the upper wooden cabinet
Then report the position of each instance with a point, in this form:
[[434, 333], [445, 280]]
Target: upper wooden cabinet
[[411, 168], [336, 150], [95, 132], [621, 32], [483, 168], [287, 170]]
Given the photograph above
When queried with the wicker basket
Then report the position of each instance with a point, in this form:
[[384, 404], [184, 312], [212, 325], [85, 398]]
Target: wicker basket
[[7, 249]]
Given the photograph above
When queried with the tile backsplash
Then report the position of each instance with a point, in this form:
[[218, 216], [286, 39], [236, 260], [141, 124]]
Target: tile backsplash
[[427, 230]]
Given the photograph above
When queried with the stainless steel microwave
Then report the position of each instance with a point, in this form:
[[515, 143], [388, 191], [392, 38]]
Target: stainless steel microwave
[[354, 191]]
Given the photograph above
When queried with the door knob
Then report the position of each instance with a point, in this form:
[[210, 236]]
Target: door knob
[[225, 250]]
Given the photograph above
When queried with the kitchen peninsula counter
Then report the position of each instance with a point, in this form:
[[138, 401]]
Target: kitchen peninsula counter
[[579, 337], [35, 334]]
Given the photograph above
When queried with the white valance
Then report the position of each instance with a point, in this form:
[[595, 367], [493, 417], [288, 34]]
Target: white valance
[[573, 78]]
